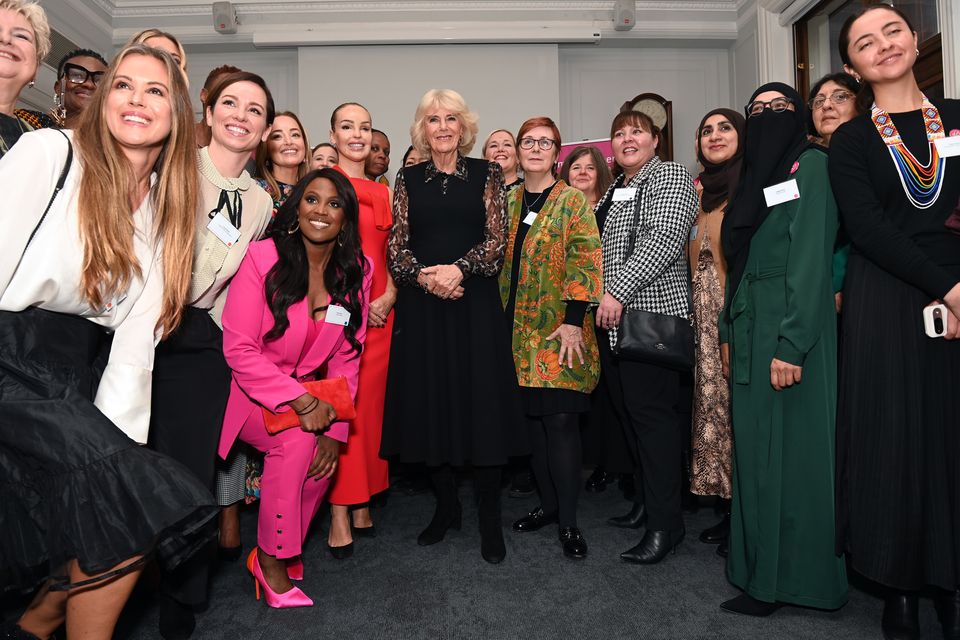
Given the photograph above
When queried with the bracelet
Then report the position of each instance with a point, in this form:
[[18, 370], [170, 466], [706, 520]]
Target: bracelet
[[310, 408]]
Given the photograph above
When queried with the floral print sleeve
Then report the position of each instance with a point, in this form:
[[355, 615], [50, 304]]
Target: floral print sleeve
[[403, 265], [486, 258]]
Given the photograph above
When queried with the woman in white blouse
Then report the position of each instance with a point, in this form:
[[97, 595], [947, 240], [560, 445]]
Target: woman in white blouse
[[83, 504], [191, 381]]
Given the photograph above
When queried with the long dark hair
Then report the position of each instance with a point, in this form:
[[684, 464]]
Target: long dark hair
[[865, 95], [289, 279]]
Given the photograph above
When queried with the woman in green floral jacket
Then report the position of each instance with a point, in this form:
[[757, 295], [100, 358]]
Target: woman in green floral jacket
[[551, 276]]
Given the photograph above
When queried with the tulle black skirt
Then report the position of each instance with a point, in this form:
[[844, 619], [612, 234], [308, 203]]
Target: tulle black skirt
[[72, 485]]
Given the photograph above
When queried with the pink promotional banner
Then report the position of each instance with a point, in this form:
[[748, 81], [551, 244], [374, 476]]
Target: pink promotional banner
[[603, 144]]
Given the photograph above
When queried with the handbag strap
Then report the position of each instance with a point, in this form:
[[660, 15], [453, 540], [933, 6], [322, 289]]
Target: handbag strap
[[60, 182]]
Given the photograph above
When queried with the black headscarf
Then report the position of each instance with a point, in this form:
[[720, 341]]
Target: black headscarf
[[720, 181], [772, 143]]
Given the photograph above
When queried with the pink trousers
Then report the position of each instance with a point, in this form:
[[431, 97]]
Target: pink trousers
[[288, 498]]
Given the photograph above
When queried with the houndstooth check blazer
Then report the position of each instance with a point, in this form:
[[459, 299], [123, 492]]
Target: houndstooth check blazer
[[654, 277]]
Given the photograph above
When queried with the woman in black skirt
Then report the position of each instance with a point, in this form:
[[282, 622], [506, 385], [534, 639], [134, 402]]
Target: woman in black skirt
[[898, 429], [83, 503], [452, 396]]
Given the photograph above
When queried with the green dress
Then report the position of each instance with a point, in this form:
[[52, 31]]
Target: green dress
[[782, 522]]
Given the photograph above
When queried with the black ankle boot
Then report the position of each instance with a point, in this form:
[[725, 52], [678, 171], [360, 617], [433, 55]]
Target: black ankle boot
[[444, 518], [901, 620], [718, 532], [492, 547], [747, 605], [948, 610], [177, 620], [654, 546], [634, 519]]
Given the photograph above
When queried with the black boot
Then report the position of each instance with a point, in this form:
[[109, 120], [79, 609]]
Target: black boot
[[177, 620], [718, 532], [448, 513], [634, 519], [598, 480], [654, 546], [492, 547], [747, 605], [948, 610], [901, 620]]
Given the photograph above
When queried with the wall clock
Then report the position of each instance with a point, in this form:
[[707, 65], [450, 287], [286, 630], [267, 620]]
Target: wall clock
[[660, 111]]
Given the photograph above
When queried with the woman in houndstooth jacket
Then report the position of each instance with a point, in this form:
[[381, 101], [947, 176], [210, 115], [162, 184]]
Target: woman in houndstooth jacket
[[652, 278]]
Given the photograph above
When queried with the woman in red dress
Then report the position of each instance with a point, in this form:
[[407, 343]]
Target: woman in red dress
[[362, 471]]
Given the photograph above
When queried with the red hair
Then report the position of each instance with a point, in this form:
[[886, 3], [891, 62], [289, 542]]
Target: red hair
[[540, 121]]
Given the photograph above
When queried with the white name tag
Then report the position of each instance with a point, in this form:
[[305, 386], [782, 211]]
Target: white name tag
[[780, 193], [624, 193], [337, 315], [948, 147], [693, 233], [226, 232], [530, 218]]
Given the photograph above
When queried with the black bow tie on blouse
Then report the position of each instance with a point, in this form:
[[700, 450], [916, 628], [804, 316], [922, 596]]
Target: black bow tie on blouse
[[234, 208]]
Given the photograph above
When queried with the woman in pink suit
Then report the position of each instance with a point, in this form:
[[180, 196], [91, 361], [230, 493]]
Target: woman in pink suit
[[297, 306]]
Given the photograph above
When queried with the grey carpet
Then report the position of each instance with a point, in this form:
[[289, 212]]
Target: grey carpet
[[391, 588]]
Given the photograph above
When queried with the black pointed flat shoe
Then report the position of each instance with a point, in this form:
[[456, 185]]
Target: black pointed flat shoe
[[746, 605], [365, 532], [535, 520], [341, 553]]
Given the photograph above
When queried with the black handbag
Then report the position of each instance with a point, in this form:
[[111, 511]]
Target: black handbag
[[654, 338]]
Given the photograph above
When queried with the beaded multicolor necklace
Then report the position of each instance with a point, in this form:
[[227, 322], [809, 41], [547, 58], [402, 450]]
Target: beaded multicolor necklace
[[921, 182]]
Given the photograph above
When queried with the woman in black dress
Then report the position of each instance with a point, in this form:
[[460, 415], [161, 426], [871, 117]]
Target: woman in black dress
[[898, 430], [451, 387]]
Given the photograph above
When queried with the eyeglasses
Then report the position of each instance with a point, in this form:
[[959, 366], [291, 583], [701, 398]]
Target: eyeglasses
[[837, 97], [756, 107], [545, 143], [78, 75]]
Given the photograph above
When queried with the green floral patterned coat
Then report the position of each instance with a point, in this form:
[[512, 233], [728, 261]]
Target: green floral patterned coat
[[560, 261]]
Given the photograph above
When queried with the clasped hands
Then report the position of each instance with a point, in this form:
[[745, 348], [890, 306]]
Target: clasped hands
[[442, 280], [952, 302], [316, 416]]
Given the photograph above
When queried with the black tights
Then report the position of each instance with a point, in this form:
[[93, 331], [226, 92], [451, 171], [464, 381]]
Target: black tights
[[557, 462], [486, 482]]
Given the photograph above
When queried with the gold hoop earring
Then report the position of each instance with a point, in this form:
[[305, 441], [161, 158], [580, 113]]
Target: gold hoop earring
[[292, 231]]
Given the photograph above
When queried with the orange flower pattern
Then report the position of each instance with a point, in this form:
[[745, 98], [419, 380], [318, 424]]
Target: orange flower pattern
[[561, 261]]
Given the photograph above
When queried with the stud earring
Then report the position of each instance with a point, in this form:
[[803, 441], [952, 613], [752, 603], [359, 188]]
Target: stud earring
[[32, 84]]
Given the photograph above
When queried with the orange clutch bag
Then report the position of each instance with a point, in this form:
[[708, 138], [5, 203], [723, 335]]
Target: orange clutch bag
[[333, 391]]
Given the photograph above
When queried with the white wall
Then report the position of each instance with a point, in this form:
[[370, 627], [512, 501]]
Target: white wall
[[594, 82], [503, 84], [746, 59], [277, 66]]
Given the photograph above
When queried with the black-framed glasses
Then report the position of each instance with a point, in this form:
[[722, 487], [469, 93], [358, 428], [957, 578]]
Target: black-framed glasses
[[545, 143], [837, 97], [78, 75], [756, 107]]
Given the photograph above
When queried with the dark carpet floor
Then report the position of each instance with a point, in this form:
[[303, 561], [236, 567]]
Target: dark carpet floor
[[391, 588]]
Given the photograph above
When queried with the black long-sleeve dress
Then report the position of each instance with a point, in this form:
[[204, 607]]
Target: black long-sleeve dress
[[898, 428], [451, 385]]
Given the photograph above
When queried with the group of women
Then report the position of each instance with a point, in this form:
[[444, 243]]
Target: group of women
[[470, 338]]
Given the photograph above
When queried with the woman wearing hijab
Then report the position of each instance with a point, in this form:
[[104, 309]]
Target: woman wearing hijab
[[720, 153], [780, 325]]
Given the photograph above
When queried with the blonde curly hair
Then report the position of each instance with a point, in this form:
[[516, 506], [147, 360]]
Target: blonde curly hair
[[446, 99]]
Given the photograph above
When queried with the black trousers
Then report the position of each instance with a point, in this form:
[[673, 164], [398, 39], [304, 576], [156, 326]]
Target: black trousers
[[191, 384], [604, 443], [649, 396]]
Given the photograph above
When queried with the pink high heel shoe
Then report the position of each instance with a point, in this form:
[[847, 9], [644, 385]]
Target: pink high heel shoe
[[292, 598], [295, 568]]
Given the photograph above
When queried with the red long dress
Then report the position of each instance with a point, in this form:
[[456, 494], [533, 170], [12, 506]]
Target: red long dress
[[362, 472]]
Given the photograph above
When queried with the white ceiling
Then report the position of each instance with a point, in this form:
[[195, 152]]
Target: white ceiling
[[281, 23]]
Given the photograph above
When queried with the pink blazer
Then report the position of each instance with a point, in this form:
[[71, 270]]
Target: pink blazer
[[267, 373]]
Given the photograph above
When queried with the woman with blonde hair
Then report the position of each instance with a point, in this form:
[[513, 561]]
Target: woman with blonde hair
[[451, 386], [165, 42], [501, 147], [26, 36], [113, 252]]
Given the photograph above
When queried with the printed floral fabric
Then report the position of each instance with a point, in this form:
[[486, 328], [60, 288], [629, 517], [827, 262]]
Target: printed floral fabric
[[278, 199], [561, 261]]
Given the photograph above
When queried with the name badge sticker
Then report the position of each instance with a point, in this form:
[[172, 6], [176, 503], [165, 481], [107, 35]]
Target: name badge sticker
[[337, 315], [780, 193], [528, 220], [693, 233], [948, 147], [624, 193], [226, 232]]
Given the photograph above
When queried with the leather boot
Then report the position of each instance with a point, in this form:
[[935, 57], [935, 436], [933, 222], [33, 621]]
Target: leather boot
[[492, 547], [634, 519], [654, 546], [901, 620], [948, 610], [718, 532], [448, 513]]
